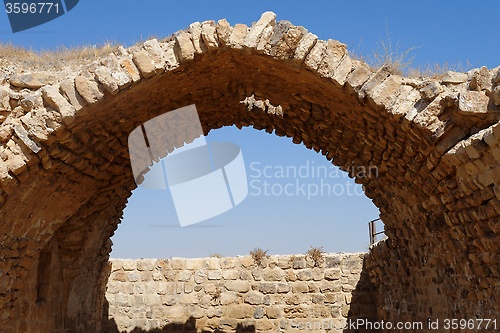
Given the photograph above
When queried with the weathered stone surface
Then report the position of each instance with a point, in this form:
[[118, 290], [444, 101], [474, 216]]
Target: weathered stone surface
[[63, 188], [4, 99], [252, 38], [106, 79], [195, 34], [454, 77], [480, 79], [209, 34], [224, 31], [144, 63], [184, 47], [132, 289], [473, 102], [305, 45], [238, 35], [431, 90], [496, 95], [69, 91], [88, 89], [52, 96], [31, 80]]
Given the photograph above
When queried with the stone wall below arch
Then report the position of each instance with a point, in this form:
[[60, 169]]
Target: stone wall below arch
[[284, 294]]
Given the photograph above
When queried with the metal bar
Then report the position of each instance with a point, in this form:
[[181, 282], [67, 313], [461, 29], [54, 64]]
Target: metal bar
[[370, 230]]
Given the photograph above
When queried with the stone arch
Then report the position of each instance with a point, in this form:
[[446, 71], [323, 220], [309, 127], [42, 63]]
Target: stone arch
[[65, 173]]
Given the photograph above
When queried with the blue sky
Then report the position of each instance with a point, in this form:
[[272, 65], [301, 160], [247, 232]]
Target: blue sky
[[453, 32]]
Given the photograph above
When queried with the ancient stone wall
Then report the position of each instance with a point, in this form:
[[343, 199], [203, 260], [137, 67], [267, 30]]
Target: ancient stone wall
[[283, 293], [65, 172]]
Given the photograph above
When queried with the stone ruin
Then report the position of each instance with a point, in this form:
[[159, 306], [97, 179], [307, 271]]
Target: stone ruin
[[65, 174]]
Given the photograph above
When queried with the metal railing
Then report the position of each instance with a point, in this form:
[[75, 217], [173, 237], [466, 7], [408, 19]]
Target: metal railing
[[372, 227]]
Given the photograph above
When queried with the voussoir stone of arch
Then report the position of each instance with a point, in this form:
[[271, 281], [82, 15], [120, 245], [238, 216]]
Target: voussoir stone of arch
[[65, 173]]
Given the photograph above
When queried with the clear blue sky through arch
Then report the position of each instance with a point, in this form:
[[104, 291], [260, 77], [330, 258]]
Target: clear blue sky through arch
[[453, 32]]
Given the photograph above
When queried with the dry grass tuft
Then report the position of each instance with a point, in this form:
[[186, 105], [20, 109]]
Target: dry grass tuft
[[317, 255], [258, 255], [11, 55], [400, 61]]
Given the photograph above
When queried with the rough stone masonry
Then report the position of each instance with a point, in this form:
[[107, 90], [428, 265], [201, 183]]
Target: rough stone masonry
[[65, 174], [282, 293]]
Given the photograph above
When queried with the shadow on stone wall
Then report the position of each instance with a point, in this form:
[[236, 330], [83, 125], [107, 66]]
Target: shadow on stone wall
[[363, 305], [188, 327]]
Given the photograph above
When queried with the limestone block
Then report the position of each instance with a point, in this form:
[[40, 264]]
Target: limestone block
[[496, 95], [264, 325], [104, 76], [118, 73], [88, 89], [274, 274], [230, 274], [385, 93], [480, 79], [224, 31], [4, 99], [374, 81], [240, 311], [238, 285], [184, 47], [454, 77], [209, 34], [144, 63], [259, 314], [128, 264], [304, 47], [332, 56], [228, 297], [267, 288], [316, 54], [237, 37], [473, 102], [254, 298], [133, 276], [340, 74], [178, 263], [52, 97], [129, 66], [212, 263], [156, 54], [195, 264], [359, 75], [31, 80], [299, 263], [195, 32], [16, 164], [273, 313], [214, 275], [22, 134], [184, 276], [300, 287], [265, 38], [68, 90], [304, 275], [199, 276], [431, 90], [284, 47], [252, 38]]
